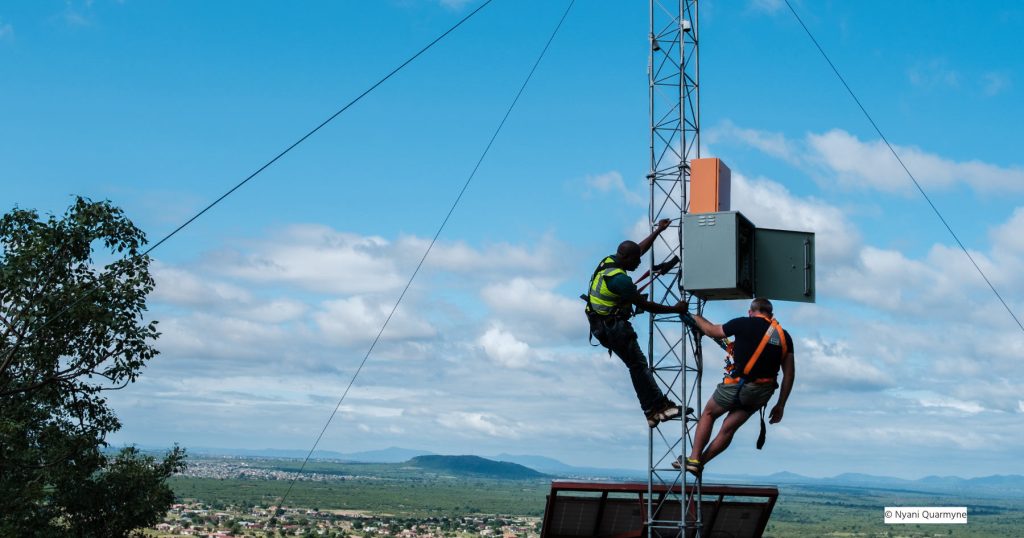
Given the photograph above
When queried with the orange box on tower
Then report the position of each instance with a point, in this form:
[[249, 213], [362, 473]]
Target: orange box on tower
[[710, 181]]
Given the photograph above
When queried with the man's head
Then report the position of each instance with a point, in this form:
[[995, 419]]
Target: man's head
[[761, 306], [628, 255]]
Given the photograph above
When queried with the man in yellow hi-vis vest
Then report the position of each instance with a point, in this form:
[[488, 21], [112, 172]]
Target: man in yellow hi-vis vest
[[610, 302]]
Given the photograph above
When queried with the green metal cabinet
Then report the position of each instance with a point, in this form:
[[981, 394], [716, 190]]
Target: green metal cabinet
[[784, 265], [726, 257]]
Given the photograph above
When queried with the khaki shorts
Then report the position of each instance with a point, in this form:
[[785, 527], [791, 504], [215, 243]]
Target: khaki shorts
[[752, 397]]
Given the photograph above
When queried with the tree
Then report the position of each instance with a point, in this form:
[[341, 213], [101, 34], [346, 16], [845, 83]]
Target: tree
[[72, 330]]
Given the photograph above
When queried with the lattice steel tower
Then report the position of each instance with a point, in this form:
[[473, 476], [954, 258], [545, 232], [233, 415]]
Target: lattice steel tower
[[673, 352]]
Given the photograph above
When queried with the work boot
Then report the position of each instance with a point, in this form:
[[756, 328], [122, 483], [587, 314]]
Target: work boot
[[668, 410], [692, 465]]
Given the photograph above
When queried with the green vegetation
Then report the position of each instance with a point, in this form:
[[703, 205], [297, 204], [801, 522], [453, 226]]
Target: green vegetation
[[403, 490], [845, 511], [416, 497], [71, 329], [476, 466]]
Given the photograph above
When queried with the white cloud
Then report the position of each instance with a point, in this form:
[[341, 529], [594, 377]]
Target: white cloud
[[774, 144], [500, 258], [944, 402], [504, 348], [371, 411], [487, 366], [770, 205], [871, 164], [182, 287], [612, 183], [1009, 236], [838, 156], [357, 319], [202, 335], [485, 423], [831, 366], [274, 311], [534, 310], [316, 258]]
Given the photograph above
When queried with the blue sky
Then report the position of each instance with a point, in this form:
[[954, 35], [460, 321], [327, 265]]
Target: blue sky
[[907, 365]]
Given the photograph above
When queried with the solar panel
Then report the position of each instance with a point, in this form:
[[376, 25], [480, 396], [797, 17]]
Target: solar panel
[[619, 510]]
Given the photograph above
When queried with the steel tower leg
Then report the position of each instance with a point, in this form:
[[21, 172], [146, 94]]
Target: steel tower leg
[[674, 354]]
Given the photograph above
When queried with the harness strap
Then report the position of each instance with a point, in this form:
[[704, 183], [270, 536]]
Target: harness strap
[[764, 342], [734, 380], [742, 379], [764, 431]]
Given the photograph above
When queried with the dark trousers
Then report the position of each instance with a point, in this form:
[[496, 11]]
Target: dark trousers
[[618, 336]]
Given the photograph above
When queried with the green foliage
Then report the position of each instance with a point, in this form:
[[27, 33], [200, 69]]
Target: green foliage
[[436, 496], [72, 330], [813, 511]]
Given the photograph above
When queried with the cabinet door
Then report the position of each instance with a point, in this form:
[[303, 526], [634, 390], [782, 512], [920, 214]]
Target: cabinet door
[[784, 265]]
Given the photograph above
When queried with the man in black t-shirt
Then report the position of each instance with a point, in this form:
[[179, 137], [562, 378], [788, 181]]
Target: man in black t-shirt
[[760, 350]]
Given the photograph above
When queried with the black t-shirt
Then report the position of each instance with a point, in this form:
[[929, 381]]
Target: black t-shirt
[[748, 332]]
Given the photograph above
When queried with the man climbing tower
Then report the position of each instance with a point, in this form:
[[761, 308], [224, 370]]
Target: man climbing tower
[[610, 302], [761, 348]]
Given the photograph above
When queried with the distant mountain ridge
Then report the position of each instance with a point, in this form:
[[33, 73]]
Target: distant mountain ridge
[[994, 486], [387, 455], [555, 467], [475, 466], [1000, 486]]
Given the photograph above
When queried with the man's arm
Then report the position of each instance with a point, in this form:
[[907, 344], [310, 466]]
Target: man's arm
[[645, 245], [708, 328], [788, 372], [657, 308]]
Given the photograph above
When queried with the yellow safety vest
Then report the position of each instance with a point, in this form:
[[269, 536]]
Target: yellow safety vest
[[601, 300]]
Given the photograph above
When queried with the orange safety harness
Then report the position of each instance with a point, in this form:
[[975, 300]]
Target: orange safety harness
[[732, 378]]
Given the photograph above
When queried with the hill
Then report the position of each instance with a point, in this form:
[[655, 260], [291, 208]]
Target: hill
[[474, 466]]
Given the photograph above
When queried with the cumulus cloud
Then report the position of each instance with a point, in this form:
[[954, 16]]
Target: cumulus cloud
[[1008, 236], [944, 402], [774, 144], [870, 164], [358, 319], [891, 281], [183, 287], [485, 423], [503, 348], [837, 155], [534, 309], [612, 183], [487, 367], [770, 205], [830, 366], [202, 335], [316, 258], [501, 258]]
